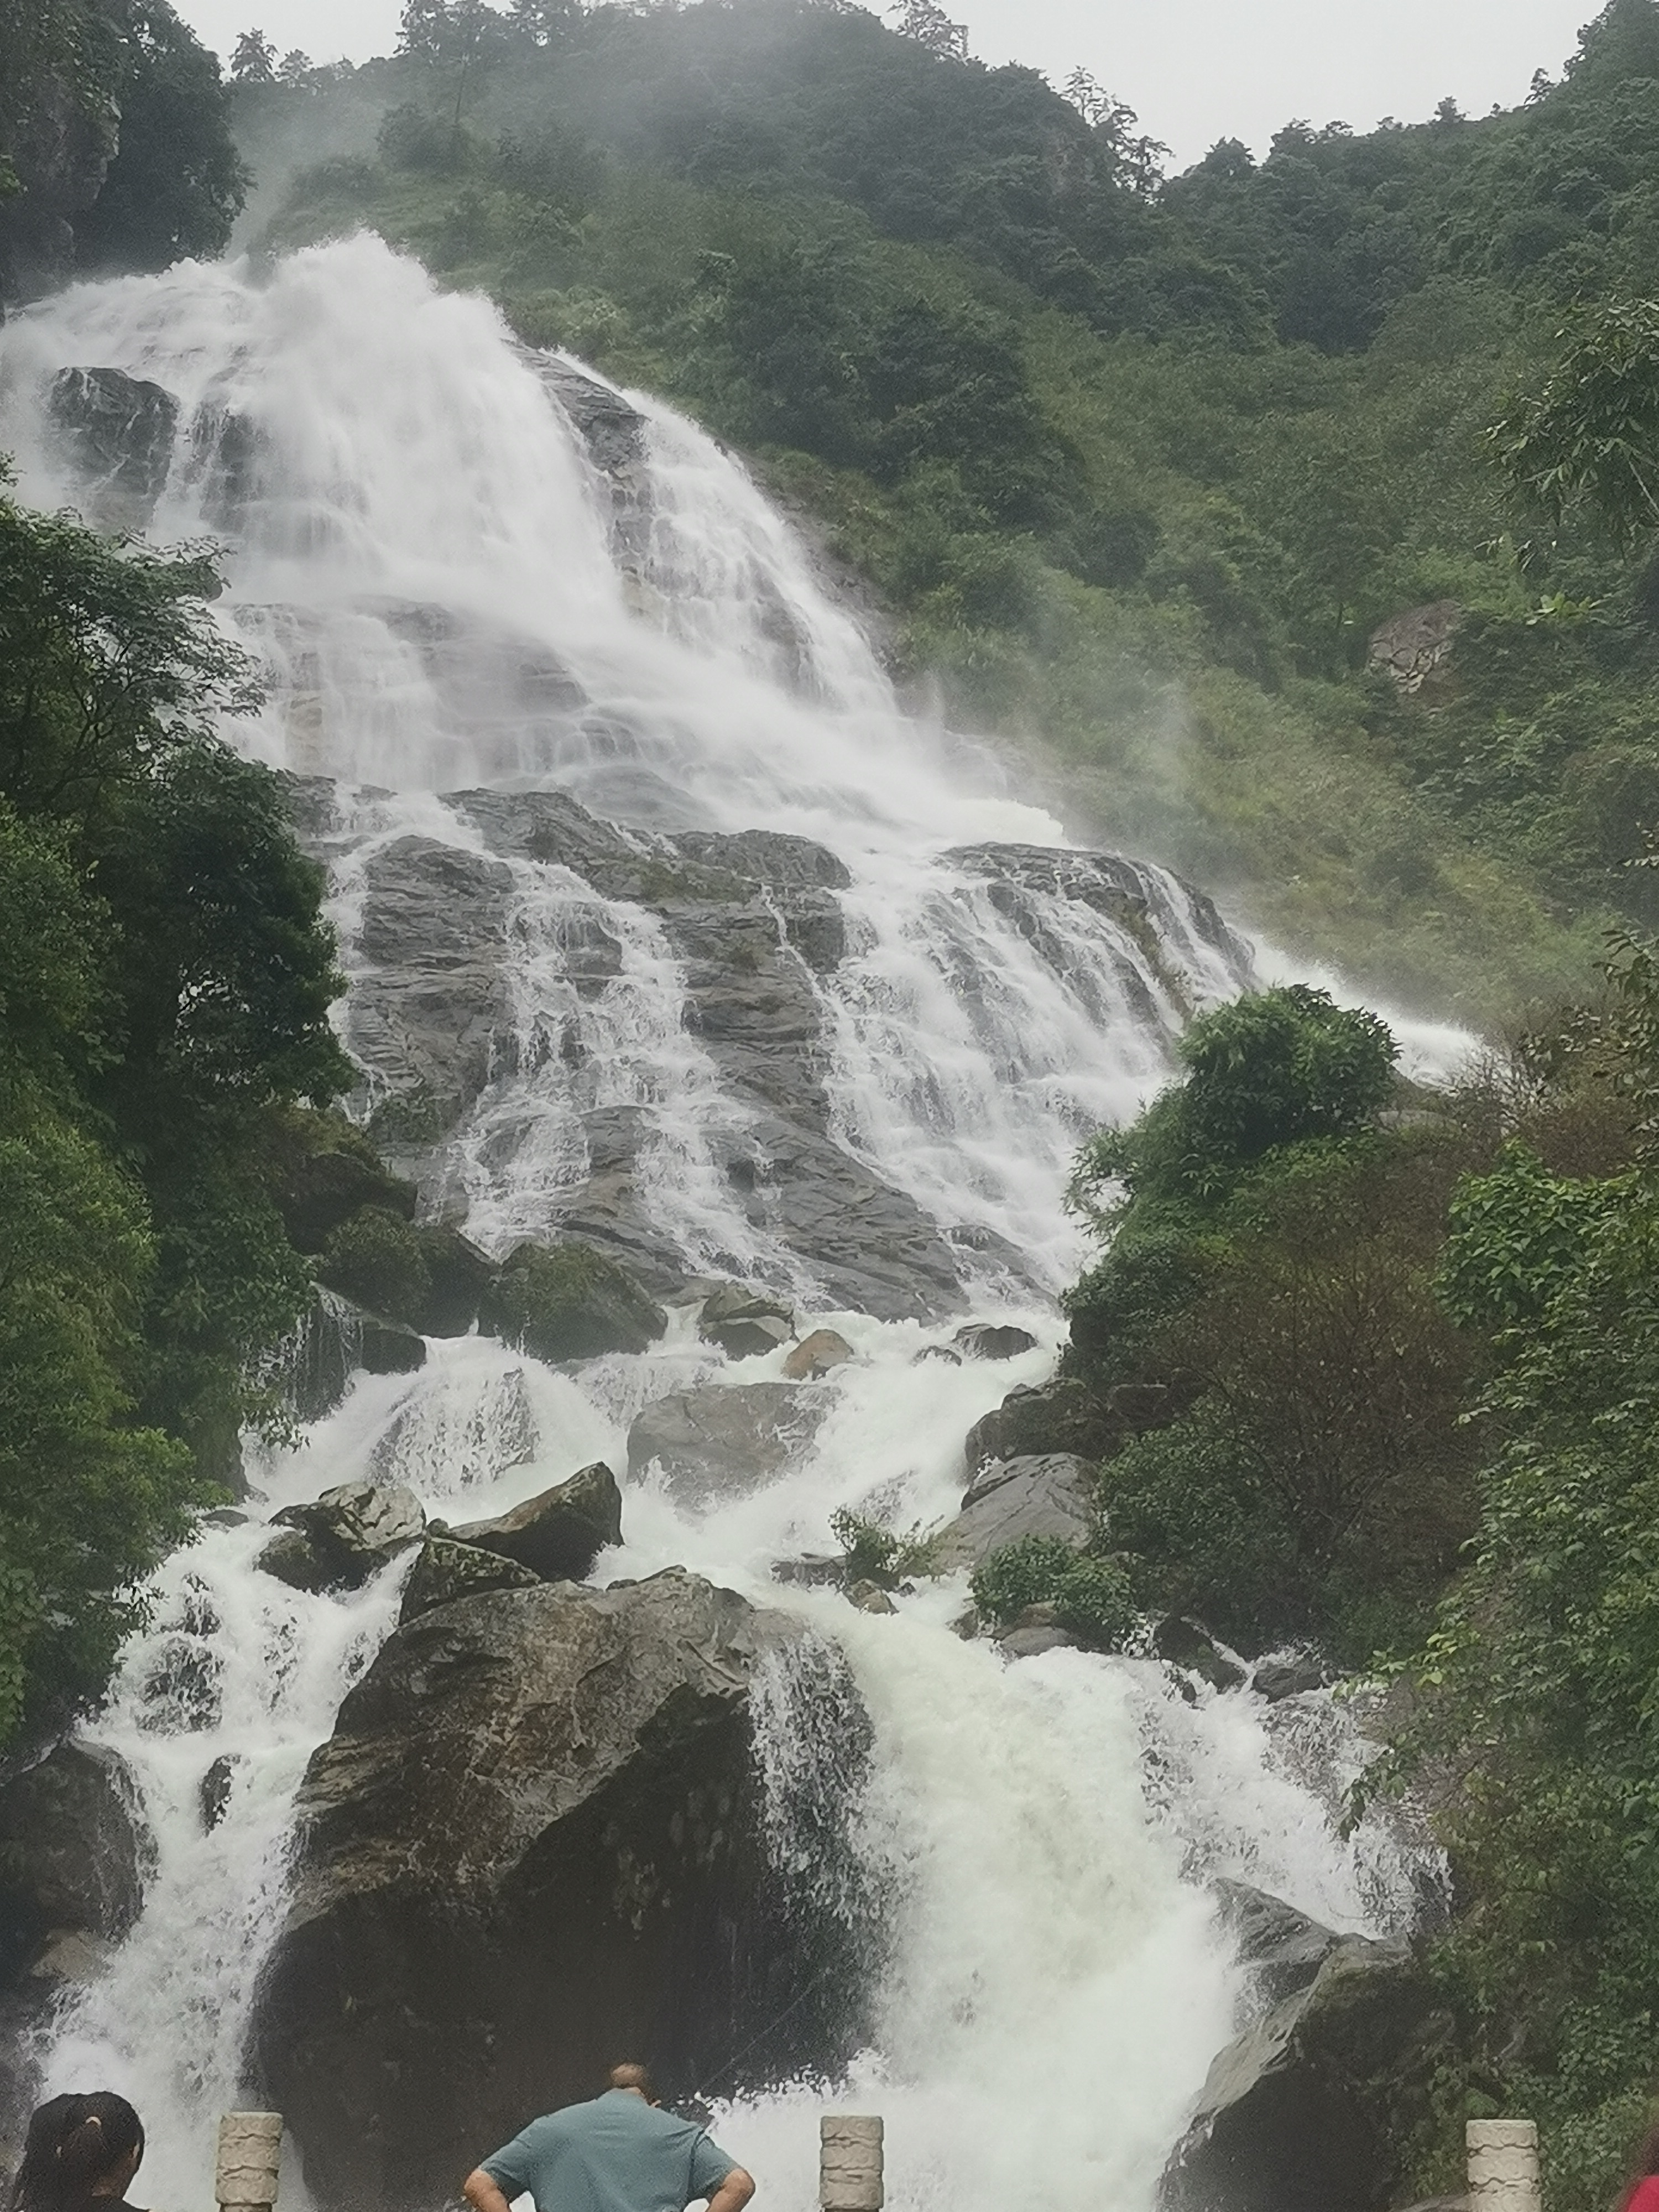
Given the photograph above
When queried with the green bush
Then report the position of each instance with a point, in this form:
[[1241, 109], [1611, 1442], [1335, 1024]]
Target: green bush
[[378, 1260], [1092, 1595]]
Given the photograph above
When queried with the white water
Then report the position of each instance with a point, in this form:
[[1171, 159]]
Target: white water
[[1057, 1983]]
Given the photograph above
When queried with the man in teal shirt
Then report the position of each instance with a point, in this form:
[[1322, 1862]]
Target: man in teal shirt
[[622, 2153]]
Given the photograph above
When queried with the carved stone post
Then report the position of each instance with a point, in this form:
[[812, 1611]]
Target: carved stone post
[[1504, 2166], [850, 2163], [250, 2154]]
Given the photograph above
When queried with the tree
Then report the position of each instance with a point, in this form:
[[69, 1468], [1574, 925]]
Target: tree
[[177, 183], [1588, 439], [926, 24], [294, 68], [254, 59], [1138, 162]]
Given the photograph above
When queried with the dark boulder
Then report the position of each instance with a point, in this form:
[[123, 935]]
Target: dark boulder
[[425, 1275], [569, 1302], [1062, 1416], [559, 1534], [313, 1369], [213, 1792], [716, 1444], [337, 1542], [1045, 1495], [447, 1569], [1311, 2109], [1293, 1677], [118, 434], [1189, 1646], [324, 1169], [74, 1852], [537, 1833], [989, 1340], [745, 1324]]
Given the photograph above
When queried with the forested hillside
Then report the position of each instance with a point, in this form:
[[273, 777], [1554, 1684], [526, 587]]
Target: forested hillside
[[1139, 466]]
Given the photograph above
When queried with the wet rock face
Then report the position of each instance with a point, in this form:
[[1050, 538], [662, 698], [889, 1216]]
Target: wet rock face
[[1306, 2111], [1062, 1416], [337, 1542], [73, 1853], [724, 1443], [568, 1302], [536, 1835], [447, 1569], [118, 432]]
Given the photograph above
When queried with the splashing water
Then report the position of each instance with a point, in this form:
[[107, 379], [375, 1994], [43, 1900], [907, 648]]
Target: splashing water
[[449, 594]]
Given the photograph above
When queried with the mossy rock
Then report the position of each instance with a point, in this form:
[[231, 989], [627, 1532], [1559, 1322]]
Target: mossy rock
[[323, 1170], [426, 1276], [569, 1302]]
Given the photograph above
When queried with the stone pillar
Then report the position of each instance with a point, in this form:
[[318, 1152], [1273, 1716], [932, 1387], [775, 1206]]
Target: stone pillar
[[850, 2162], [249, 2151], [1504, 2166]]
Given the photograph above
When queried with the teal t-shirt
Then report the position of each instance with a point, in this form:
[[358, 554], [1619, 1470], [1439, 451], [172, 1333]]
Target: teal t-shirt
[[616, 2154]]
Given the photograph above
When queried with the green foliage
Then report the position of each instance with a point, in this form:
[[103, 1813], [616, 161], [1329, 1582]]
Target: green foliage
[[1589, 436], [1091, 1592], [873, 1552], [379, 1260], [165, 985]]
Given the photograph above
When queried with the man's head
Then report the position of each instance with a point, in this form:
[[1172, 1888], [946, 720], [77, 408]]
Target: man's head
[[634, 2078]]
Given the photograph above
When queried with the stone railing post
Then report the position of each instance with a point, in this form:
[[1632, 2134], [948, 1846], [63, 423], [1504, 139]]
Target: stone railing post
[[1504, 2166], [850, 2163], [250, 2154]]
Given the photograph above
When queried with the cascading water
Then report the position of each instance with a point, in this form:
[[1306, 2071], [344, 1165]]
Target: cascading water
[[451, 596]]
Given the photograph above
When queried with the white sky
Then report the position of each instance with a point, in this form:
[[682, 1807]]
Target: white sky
[[1196, 70]]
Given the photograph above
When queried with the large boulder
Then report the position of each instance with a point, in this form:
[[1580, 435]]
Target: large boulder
[[990, 1340], [1045, 1494], [537, 1837], [324, 1169], [337, 1542], [718, 1444], [1062, 1416], [560, 1534], [1283, 1948], [1309, 2110], [569, 1302], [425, 1275], [313, 1368]]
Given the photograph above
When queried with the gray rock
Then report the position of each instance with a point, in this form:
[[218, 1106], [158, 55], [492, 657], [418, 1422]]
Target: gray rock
[[817, 1354], [1045, 1494], [745, 1324], [942, 1352], [213, 1794], [337, 1542], [1188, 1645], [813, 1570], [1283, 1948], [1062, 1416], [313, 1368], [323, 1170], [1310, 2110], [1277, 1679], [74, 1853], [447, 1569], [536, 1833], [560, 1534], [724, 1443], [118, 433], [987, 1339]]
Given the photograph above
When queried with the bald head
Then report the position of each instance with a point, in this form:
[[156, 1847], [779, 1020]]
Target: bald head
[[634, 2078]]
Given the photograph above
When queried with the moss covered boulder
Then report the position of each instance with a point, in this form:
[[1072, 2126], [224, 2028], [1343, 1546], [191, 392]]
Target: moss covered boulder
[[425, 1275], [569, 1302]]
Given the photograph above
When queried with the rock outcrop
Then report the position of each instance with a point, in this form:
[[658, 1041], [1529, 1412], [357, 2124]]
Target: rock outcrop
[[745, 1324], [989, 1340], [1045, 1494], [723, 1444], [1308, 2110], [447, 1569], [536, 1835], [313, 1368], [560, 1534], [73, 1852]]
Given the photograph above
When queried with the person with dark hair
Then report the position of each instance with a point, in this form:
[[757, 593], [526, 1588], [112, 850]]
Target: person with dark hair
[[619, 2153], [1642, 2193], [80, 2155]]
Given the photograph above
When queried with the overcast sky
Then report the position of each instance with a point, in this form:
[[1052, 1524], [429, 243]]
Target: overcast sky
[[1197, 70]]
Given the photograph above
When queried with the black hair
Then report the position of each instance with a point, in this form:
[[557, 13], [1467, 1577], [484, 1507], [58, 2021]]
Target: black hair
[[72, 2144]]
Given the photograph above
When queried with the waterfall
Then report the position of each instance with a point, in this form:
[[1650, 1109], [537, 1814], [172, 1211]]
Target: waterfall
[[472, 616]]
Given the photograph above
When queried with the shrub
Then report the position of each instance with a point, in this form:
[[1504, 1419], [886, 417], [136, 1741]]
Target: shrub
[[1090, 1593]]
